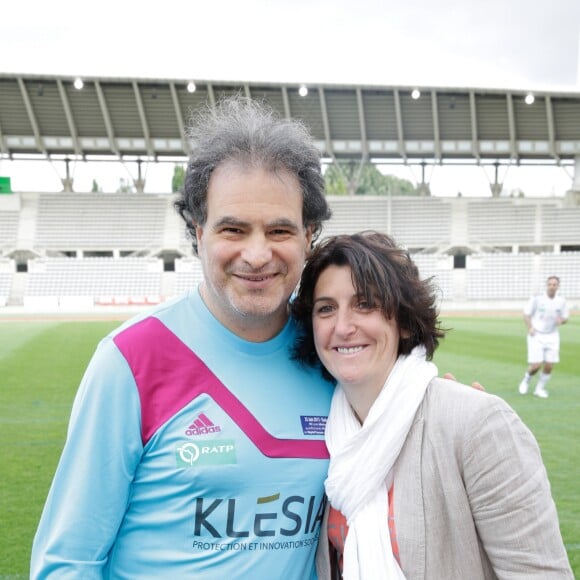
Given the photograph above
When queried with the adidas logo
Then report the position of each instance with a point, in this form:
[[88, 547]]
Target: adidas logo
[[202, 426]]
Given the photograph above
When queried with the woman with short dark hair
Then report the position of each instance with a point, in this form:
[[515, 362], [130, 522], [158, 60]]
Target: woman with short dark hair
[[428, 479]]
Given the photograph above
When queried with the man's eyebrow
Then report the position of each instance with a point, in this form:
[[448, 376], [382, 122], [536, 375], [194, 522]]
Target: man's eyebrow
[[230, 221], [284, 223], [234, 221]]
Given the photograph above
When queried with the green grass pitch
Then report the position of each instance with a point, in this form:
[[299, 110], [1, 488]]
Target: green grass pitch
[[41, 363]]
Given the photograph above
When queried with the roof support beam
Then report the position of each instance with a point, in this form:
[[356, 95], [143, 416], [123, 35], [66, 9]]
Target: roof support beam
[[436, 132], [325, 123], [106, 118], [399, 119], [512, 126], [362, 124], [3, 147], [551, 129], [286, 102], [211, 95], [31, 117], [179, 117], [143, 118], [474, 132], [69, 118]]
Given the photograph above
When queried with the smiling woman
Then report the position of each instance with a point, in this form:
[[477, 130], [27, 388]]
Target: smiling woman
[[356, 342], [427, 478]]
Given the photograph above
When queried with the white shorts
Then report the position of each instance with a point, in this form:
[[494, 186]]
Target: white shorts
[[544, 348]]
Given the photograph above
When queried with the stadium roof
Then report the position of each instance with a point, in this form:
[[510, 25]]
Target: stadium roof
[[130, 117]]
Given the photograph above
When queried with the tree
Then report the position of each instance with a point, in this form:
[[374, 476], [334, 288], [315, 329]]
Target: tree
[[350, 178], [178, 178], [96, 188], [125, 186]]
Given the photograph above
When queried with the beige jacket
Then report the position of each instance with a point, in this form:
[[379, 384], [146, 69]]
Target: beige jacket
[[471, 498]]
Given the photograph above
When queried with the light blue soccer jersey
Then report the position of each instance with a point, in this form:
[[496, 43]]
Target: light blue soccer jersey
[[191, 453]]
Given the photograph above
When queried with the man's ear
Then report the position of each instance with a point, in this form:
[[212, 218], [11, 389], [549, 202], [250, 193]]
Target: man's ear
[[198, 233], [309, 235]]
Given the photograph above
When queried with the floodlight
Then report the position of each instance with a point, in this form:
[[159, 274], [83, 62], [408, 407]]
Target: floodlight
[[191, 87], [415, 94], [529, 99], [303, 90], [78, 84]]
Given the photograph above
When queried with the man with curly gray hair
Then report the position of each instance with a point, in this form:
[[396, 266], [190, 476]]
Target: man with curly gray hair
[[196, 443]]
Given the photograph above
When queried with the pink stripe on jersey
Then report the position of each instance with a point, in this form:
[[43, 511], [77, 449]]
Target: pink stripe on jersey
[[169, 375]]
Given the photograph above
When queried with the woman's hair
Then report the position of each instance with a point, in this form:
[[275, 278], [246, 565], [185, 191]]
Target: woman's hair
[[383, 274], [251, 134]]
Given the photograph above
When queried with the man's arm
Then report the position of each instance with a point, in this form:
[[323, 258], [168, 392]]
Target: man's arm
[[565, 315], [529, 326], [474, 384], [90, 490]]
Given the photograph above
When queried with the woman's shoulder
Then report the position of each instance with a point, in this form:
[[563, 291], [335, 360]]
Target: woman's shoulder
[[446, 398], [458, 413]]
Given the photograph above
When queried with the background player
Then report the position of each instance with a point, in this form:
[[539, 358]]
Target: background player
[[543, 315]]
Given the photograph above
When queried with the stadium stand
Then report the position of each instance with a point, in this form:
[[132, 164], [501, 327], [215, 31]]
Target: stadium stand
[[501, 222], [349, 215], [421, 221], [8, 229], [565, 265], [7, 269], [81, 250], [414, 221], [94, 281], [187, 274], [560, 225], [479, 250], [440, 268], [500, 276], [9, 222], [96, 221]]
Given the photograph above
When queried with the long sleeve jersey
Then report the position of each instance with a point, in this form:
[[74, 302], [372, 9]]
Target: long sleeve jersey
[[191, 453]]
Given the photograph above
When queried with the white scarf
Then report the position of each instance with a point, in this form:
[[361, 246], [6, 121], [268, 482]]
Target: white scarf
[[361, 462]]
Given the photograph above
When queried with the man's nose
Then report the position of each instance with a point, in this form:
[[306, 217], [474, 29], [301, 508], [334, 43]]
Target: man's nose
[[257, 251]]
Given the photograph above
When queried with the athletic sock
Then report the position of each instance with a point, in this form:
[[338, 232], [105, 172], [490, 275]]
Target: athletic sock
[[544, 378]]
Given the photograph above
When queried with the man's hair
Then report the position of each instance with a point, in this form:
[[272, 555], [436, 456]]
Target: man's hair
[[251, 134], [382, 274]]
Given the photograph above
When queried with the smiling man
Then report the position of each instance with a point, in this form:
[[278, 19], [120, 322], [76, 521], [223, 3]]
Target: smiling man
[[256, 244], [196, 444]]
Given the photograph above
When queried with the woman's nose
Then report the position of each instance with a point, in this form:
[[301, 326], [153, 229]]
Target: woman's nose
[[345, 324]]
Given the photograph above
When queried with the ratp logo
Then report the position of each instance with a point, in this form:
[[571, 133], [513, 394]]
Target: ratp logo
[[215, 452], [188, 453]]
